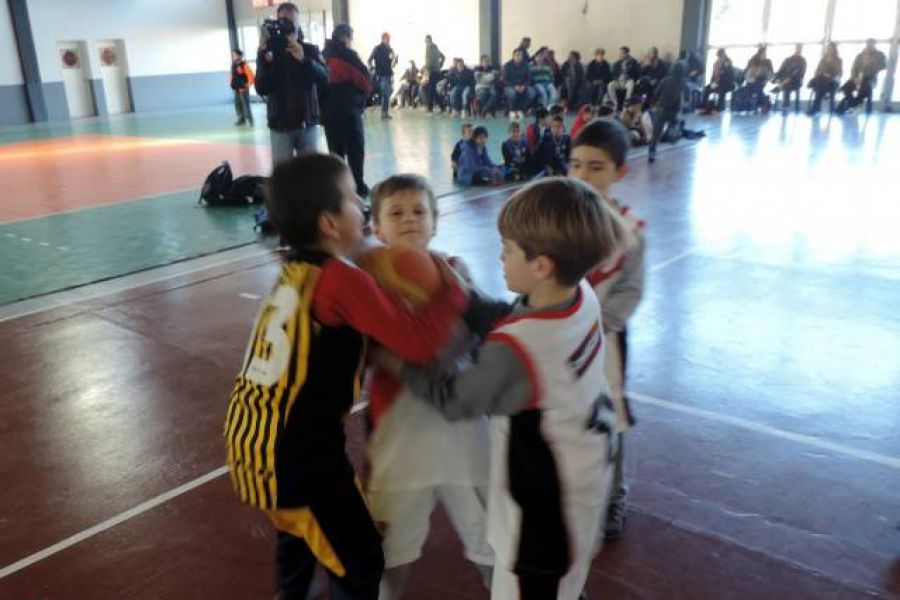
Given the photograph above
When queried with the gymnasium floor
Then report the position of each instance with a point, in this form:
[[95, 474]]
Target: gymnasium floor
[[764, 360]]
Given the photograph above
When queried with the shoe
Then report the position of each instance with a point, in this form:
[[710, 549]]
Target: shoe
[[615, 523]]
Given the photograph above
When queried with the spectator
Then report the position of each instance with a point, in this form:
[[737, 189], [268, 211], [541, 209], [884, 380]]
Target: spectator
[[694, 69], [291, 73], [550, 57], [408, 91], [666, 105], [525, 46], [756, 75], [486, 80], [586, 114], [827, 78], [475, 165], [721, 82], [461, 81], [434, 61], [542, 79], [516, 156], [637, 122], [789, 78], [517, 85], [652, 72], [555, 149], [382, 61], [573, 81], [241, 80], [598, 76], [863, 78], [626, 72], [348, 89]]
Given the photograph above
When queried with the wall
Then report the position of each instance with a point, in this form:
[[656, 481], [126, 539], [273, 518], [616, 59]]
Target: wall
[[452, 24], [177, 52], [13, 104], [608, 24]]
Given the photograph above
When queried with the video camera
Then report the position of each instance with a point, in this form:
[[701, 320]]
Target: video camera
[[277, 32]]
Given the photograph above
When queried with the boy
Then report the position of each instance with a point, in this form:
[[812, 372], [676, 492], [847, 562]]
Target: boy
[[540, 373], [457, 149], [285, 422], [475, 165], [637, 122], [417, 457], [598, 158], [555, 149], [535, 131], [516, 157]]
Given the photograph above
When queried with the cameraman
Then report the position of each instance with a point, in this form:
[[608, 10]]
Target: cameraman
[[290, 73], [349, 88]]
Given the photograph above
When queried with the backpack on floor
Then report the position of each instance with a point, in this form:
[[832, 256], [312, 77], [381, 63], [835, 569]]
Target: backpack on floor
[[246, 189], [215, 188], [674, 132]]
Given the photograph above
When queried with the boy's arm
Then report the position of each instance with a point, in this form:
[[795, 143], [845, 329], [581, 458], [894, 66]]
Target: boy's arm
[[497, 383], [347, 295], [625, 294]]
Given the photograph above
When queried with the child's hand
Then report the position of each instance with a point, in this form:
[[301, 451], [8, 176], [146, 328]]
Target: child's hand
[[386, 360]]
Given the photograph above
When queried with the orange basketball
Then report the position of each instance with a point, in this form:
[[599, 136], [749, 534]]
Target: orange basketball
[[407, 272]]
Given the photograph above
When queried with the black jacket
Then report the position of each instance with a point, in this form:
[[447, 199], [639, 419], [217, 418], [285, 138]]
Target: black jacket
[[629, 66], [349, 85], [599, 71], [384, 58], [575, 71], [655, 72], [464, 78], [291, 88], [514, 74]]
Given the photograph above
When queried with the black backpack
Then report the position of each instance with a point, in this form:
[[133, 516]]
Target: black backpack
[[215, 188], [246, 189]]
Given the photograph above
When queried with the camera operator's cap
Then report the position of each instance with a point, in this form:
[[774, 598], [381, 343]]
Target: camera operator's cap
[[341, 30]]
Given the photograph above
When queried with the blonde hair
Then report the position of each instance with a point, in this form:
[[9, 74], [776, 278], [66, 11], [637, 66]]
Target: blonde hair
[[567, 221]]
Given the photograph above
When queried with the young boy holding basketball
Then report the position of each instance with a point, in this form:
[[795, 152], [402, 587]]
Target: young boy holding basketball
[[417, 457], [301, 374], [540, 375]]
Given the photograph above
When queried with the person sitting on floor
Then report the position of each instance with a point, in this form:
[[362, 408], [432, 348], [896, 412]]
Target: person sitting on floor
[[475, 165], [535, 131], [555, 149], [466, 131], [516, 156], [638, 122]]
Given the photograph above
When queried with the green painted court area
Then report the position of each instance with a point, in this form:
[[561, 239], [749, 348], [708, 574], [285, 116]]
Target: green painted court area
[[70, 249]]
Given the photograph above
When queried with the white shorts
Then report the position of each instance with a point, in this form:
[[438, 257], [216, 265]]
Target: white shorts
[[407, 517]]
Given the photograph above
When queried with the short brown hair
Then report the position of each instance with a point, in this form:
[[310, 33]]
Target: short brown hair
[[565, 220], [401, 183]]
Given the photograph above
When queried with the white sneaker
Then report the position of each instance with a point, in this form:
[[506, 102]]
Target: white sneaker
[[512, 116]]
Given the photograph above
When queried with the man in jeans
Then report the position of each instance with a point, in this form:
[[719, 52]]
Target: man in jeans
[[382, 61], [290, 75]]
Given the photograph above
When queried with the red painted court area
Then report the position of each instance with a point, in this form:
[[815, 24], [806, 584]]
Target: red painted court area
[[45, 177]]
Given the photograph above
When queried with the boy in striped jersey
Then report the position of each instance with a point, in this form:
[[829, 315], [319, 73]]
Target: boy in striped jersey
[[598, 159], [301, 374]]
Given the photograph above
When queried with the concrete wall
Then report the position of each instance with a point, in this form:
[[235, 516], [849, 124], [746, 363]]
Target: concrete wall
[[585, 25]]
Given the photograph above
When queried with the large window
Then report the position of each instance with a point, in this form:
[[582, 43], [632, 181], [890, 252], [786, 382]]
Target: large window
[[740, 25]]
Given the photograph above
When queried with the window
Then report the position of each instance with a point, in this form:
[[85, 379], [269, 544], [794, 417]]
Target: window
[[855, 20], [797, 21], [736, 22]]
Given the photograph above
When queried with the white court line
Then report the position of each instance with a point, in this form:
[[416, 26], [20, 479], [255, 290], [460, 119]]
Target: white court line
[[124, 516], [807, 440], [674, 259]]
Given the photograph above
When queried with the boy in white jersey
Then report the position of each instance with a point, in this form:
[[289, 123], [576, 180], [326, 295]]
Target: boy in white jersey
[[540, 374], [598, 158], [417, 457]]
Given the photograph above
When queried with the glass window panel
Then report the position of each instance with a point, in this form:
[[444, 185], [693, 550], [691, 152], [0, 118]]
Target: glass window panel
[[736, 22], [895, 95], [797, 20], [856, 20]]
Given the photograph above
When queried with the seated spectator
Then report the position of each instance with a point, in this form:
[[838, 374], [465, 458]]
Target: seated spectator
[[555, 149], [461, 84], [486, 80], [626, 72], [827, 78], [597, 77], [542, 79], [517, 85], [863, 78], [516, 156], [573, 81], [666, 103], [694, 69], [586, 114], [475, 165], [789, 78], [638, 122], [536, 131], [466, 132], [408, 91], [721, 82], [756, 75], [652, 72], [550, 57], [424, 87]]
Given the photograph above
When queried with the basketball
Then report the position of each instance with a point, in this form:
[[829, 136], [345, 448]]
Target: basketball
[[407, 272]]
